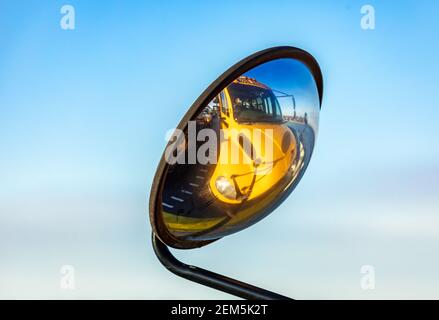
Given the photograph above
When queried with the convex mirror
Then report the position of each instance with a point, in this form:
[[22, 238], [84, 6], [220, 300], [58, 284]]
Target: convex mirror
[[240, 150]]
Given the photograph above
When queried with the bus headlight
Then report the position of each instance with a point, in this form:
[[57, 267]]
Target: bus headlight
[[225, 187]]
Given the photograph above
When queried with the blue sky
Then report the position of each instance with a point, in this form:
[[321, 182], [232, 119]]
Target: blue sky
[[83, 114]]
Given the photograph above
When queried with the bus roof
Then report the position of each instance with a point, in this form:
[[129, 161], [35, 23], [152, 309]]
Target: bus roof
[[250, 81]]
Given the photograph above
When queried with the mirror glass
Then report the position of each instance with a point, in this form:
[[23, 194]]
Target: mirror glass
[[241, 154]]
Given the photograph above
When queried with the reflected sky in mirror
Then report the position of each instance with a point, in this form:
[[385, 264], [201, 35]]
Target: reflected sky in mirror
[[291, 77]]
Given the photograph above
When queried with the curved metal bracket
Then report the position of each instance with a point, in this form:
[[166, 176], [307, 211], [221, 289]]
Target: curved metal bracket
[[210, 279]]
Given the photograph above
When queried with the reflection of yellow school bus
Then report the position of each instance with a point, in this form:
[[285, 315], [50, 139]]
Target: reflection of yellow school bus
[[257, 149]]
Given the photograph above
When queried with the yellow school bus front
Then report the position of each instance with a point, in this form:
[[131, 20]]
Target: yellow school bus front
[[257, 149]]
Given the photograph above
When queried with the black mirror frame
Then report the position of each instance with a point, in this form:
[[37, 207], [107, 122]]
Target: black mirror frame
[[213, 90]]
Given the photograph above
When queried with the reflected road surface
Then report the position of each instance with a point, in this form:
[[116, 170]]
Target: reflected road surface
[[186, 192]]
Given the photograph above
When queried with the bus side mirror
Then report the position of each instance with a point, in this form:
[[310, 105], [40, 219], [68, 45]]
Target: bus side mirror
[[207, 187]]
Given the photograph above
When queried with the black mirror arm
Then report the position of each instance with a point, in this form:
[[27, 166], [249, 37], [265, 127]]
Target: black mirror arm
[[210, 279]]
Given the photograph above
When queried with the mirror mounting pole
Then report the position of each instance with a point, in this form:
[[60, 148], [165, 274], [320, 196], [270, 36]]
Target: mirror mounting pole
[[210, 279]]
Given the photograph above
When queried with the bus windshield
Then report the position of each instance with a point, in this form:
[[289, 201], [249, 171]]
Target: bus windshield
[[254, 104]]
